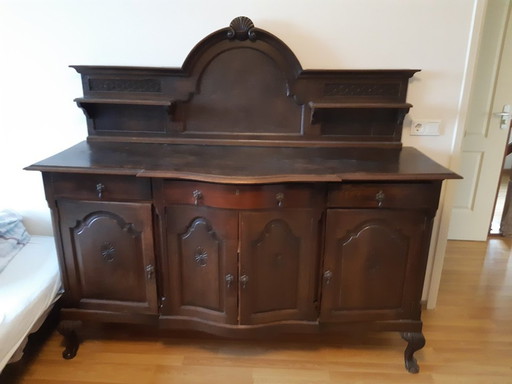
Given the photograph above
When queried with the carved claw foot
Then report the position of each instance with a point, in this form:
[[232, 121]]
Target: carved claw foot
[[68, 329], [415, 341]]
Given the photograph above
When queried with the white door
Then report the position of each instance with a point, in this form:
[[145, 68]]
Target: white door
[[484, 143]]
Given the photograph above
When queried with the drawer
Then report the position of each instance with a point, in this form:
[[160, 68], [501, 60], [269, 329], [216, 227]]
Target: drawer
[[243, 196], [101, 187], [384, 195]]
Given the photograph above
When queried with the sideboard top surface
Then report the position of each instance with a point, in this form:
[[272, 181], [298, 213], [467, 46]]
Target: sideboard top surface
[[242, 164]]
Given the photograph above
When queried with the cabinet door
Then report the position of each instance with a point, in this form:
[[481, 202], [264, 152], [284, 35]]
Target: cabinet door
[[278, 265], [109, 255], [374, 264], [201, 265]]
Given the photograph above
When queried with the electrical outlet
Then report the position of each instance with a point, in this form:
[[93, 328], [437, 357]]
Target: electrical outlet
[[425, 128]]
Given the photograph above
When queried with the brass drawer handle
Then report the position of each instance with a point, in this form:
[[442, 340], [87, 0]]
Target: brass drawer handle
[[379, 197], [100, 188], [280, 199], [198, 195]]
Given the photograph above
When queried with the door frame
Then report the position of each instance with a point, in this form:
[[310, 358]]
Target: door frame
[[440, 236]]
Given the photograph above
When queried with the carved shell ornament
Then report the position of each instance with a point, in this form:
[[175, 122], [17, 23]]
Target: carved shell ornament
[[241, 28]]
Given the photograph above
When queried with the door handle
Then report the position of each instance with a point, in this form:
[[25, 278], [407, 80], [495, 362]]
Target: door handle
[[229, 280], [244, 279], [505, 116], [150, 271], [327, 277]]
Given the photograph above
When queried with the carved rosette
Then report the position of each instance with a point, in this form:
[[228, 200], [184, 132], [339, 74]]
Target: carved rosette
[[201, 257], [108, 252], [241, 28]]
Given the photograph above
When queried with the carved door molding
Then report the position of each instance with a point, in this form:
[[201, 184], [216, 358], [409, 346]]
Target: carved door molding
[[200, 266], [278, 255], [370, 263], [113, 250]]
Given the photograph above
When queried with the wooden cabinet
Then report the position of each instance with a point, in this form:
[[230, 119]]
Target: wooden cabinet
[[371, 265], [243, 195], [376, 250], [239, 266], [109, 255], [200, 267], [278, 265]]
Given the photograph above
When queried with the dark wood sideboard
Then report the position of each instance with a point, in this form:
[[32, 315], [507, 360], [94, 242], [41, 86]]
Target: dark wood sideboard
[[242, 195]]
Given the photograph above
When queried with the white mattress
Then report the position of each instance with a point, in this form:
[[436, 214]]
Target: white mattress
[[28, 286]]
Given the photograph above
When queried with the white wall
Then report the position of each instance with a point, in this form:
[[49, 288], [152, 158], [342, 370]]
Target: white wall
[[39, 39]]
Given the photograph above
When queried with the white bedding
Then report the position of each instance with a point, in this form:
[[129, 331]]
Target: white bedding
[[28, 287]]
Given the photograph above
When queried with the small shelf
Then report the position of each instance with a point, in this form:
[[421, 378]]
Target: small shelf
[[315, 107], [163, 103], [87, 104]]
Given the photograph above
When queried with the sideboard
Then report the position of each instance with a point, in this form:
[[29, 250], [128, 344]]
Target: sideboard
[[242, 195]]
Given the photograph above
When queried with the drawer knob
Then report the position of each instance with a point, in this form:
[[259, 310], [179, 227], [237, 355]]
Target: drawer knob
[[379, 197], [280, 199], [198, 195], [100, 188]]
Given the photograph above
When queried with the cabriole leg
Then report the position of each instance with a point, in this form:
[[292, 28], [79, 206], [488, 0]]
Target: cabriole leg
[[68, 329], [415, 341]]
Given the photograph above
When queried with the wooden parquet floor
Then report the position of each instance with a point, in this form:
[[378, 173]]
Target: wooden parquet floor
[[469, 340]]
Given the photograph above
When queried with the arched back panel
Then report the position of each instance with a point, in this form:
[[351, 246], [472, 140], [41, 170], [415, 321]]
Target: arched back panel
[[242, 85]]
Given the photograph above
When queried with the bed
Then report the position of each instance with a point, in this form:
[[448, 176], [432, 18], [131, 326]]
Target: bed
[[30, 284]]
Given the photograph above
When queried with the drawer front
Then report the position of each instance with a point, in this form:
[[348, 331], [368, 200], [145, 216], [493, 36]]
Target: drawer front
[[101, 187], [384, 195], [243, 196]]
